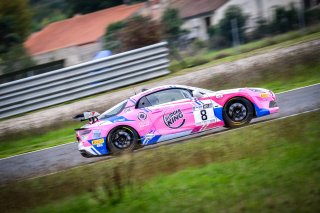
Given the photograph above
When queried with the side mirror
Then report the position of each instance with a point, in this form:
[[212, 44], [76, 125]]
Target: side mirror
[[197, 94]]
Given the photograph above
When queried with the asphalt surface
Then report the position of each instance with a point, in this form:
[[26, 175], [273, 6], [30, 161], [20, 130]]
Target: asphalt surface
[[67, 156]]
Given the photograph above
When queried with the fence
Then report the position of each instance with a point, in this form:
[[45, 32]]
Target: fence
[[82, 80]]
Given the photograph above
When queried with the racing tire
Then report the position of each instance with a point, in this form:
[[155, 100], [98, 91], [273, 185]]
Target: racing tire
[[122, 140], [237, 112]]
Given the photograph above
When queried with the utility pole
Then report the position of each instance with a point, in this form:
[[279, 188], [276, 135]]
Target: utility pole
[[235, 33], [302, 23]]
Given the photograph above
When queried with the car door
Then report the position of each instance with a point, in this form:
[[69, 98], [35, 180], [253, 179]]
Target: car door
[[171, 112]]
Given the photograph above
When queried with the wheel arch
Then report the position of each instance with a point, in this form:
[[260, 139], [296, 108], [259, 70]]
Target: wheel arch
[[124, 125], [245, 97]]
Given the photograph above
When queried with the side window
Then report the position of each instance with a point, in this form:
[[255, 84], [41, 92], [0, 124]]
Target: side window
[[143, 102], [186, 94], [168, 95]]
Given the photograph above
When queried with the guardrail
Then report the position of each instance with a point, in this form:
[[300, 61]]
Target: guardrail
[[84, 79]]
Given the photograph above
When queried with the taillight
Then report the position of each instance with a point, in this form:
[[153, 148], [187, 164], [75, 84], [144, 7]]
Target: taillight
[[84, 134]]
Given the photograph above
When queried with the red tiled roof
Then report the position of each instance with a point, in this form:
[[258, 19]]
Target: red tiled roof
[[189, 8], [80, 29]]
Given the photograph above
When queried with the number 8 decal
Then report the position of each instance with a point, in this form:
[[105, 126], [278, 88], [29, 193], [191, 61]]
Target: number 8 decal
[[204, 116]]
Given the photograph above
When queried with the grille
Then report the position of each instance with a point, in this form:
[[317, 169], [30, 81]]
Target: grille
[[273, 104]]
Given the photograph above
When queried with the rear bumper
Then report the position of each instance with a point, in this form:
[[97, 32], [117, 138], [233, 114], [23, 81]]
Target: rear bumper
[[86, 149]]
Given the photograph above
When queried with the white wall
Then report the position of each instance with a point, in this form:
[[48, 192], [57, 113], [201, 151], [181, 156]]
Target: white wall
[[197, 27], [72, 55], [254, 8]]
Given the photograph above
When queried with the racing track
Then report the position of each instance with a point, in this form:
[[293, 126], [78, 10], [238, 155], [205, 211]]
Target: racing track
[[66, 156]]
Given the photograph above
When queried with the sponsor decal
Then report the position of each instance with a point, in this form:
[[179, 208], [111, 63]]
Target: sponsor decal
[[98, 142], [96, 134], [174, 119], [127, 110], [219, 95], [142, 116]]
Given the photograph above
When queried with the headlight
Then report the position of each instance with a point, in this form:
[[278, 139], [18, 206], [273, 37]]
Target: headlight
[[257, 90], [264, 95]]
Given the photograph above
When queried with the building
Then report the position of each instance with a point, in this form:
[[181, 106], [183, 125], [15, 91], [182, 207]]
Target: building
[[255, 9], [77, 39], [199, 15]]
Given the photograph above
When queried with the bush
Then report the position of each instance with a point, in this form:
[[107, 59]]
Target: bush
[[233, 12], [218, 42], [197, 61], [312, 16], [221, 55], [285, 20], [136, 32]]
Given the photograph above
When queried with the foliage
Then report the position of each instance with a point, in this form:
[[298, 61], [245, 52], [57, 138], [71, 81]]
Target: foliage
[[136, 32], [263, 29], [312, 16], [233, 12], [83, 6], [220, 36], [15, 23], [48, 11], [15, 59], [111, 37], [284, 19], [15, 20], [171, 24]]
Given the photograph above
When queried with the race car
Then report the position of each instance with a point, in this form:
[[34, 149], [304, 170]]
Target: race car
[[169, 112]]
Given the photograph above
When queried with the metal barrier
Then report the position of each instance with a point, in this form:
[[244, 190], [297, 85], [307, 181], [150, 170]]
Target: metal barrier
[[84, 79]]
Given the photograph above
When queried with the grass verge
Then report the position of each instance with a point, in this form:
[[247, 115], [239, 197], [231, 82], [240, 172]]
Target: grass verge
[[268, 167]]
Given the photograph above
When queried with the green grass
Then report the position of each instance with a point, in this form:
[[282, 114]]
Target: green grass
[[210, 58], [268, 167], [37, 139]]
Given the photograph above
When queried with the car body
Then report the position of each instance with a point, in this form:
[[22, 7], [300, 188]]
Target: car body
[[168, 112]]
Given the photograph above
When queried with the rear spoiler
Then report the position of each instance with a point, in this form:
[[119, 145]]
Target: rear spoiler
[[91, 116]]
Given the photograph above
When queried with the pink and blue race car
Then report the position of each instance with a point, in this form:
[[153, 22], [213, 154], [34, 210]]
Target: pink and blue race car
[[169, 112]]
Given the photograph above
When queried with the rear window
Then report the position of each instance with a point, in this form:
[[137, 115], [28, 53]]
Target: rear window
[[114, 110]]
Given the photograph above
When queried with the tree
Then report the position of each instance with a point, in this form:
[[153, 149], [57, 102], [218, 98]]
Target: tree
[[171, 23], [15, 23], [233, 12], [138, 32], [133, 33], [285, 19], [85, 6], [111, 41], [48, 11]]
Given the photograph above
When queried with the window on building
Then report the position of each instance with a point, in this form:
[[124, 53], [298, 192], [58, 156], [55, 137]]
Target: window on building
[[208, 22]]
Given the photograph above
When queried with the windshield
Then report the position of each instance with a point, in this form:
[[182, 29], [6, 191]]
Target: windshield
[[204, 91], [113, 110]]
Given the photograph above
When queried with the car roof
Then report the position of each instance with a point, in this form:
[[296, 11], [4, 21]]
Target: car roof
[[155, 89]]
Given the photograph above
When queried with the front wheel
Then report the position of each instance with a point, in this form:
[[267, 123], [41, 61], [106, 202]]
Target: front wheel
[[122, 139], [237, 112]]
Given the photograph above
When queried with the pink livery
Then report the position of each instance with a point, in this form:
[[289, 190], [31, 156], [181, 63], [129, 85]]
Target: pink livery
[[168, 112]]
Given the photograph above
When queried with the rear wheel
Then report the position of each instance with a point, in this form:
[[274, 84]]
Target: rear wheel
[[237, 112], [122, 139]]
